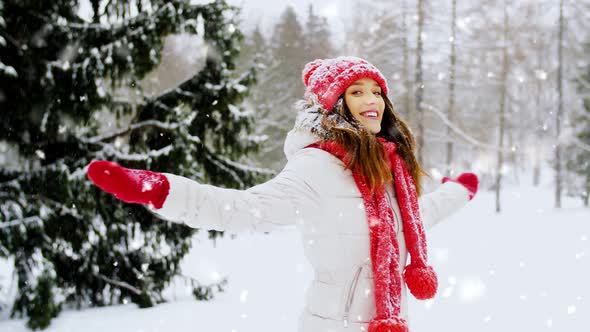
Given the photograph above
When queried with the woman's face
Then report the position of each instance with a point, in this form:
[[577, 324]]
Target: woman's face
[[365, 102]]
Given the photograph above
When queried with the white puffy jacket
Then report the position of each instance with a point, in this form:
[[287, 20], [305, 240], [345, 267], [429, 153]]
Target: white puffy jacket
[[315, 193]]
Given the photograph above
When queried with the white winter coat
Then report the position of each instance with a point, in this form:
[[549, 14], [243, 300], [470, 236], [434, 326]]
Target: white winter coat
[[315, 193]]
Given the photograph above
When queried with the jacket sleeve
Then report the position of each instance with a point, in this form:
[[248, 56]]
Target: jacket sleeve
[[286, 199], [441, 203]]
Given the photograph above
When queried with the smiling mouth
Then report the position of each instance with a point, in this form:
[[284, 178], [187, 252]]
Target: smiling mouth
[[372, 115]]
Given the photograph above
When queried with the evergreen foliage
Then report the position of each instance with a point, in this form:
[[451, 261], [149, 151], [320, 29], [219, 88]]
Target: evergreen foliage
[[71, 92]]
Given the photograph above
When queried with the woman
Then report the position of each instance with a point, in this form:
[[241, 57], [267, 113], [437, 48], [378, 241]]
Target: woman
[[351, 185]]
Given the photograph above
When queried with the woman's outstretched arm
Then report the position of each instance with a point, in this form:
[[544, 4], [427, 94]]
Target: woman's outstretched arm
[[451, 196], [284, 200]]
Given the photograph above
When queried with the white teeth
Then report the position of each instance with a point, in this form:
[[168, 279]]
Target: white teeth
[[371, 114]]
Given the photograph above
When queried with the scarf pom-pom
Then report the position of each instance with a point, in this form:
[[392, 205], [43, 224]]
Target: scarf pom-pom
[[395, 324], [421, 280]]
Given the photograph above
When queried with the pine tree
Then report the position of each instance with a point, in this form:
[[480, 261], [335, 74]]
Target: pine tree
[[70, 92], [288, 40], [5, 70], [279, 86], [579, 161], [254, 51], [318, 39]]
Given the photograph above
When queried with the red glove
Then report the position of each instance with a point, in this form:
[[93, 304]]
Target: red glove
[[468, 180], [129, 185]]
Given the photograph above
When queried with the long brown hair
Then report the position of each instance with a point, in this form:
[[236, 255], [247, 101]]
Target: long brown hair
[[366, 154]]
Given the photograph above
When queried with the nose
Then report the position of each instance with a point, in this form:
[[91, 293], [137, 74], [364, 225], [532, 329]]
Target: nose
[[371, 99]]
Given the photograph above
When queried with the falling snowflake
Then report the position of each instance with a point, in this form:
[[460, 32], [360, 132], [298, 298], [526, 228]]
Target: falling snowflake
[[244, 295], [146, 186]]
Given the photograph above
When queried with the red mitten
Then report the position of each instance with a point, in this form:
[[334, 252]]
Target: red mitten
[[468, 180], [130, 185]]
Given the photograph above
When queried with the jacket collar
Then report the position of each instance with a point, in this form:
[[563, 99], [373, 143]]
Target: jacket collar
[[307, 128]]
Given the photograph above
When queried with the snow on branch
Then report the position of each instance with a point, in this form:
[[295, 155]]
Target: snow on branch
[[581, 144], [194, 281], [108, 148], [120, 284], [105, 27], [124, 30], [233, 174], [243, 167], [186, 134], [59, 207], [8, 70], [124, 25], [185, 93], [135, 126], [460, 132], [247, 168], [161, 105], [23, 221], [568, 137], [582, 80]]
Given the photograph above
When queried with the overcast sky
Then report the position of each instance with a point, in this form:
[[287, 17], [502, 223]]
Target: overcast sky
[[267, 12]]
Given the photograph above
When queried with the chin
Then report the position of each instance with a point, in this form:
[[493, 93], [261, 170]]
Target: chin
[[375, 130], [372, 128]]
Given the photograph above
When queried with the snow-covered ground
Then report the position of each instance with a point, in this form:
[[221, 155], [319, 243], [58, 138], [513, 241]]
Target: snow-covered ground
[[525, 269]]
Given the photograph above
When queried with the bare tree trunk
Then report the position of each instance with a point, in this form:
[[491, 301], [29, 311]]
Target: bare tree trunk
[[536, 146], [406, 60], [419, 83], [558, 175], [502, 109], [538, 120], [539, 127], [451, 111], [509, 129], [587, 195]]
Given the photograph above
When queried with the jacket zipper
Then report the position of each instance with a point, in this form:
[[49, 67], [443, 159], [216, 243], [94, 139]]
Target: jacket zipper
[[350, 295], [352, 288], [396, 220]]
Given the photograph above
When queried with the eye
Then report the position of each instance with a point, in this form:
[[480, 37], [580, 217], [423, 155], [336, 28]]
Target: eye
[[378, 93], [356, 92]]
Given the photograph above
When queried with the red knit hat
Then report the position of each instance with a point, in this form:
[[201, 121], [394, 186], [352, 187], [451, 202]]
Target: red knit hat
[[329, 78]]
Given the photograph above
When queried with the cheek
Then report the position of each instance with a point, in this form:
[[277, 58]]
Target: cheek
[[354, 107]]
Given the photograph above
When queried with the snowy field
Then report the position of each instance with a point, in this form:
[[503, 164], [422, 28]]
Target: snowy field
[[526, 269]]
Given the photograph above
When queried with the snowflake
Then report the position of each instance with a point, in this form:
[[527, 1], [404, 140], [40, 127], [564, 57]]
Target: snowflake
[[147, 186]]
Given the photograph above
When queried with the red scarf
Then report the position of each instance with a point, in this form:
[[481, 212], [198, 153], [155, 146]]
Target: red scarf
[[419, 277]]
